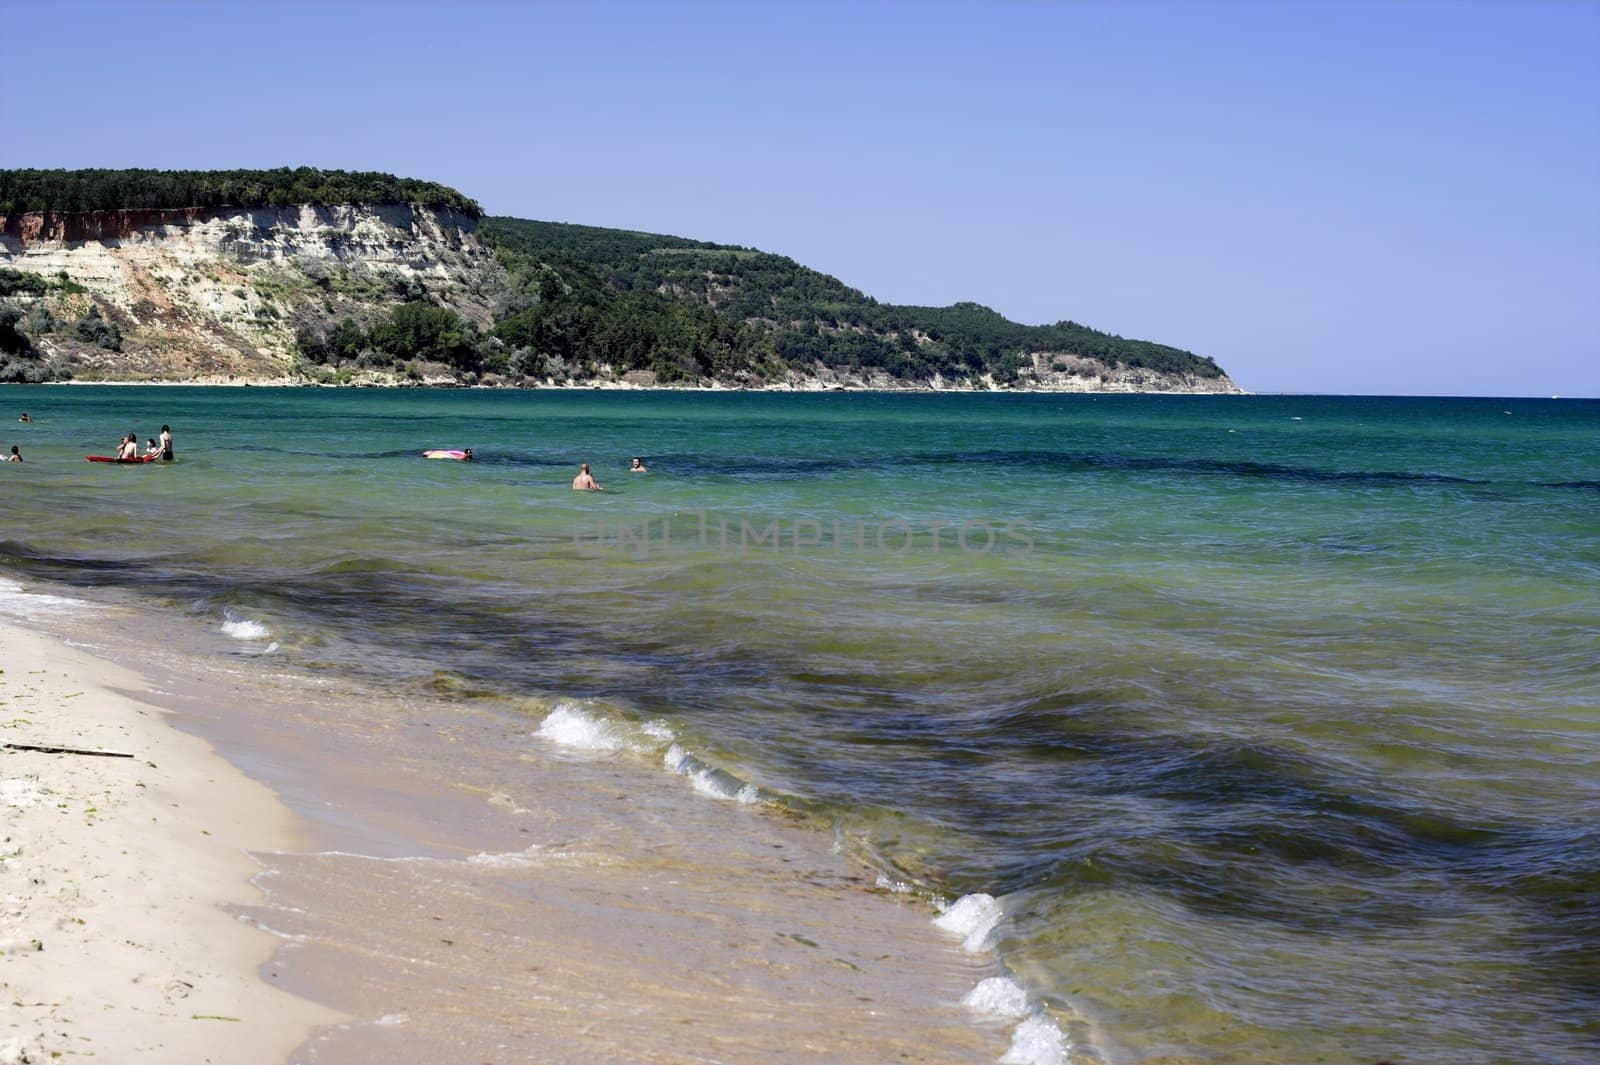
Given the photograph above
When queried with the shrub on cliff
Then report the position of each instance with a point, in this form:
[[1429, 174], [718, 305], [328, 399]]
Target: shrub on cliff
[[40, 320], [12, 341], [21, 282], [19, 361], [410, 332], [92, 328], [433, 334]]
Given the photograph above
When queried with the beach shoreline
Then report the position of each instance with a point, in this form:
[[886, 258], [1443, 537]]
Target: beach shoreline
[[114, 875], [569, 899]]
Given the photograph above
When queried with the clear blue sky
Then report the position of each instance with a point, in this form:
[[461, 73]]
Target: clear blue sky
[[1326, 197]]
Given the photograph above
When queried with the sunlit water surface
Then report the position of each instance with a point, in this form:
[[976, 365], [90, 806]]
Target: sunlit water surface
[[1271, 722]]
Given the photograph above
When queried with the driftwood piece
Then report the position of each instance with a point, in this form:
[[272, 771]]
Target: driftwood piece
[[63, 750]]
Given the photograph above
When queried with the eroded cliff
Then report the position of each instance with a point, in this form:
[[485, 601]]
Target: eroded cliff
[[198, 295]]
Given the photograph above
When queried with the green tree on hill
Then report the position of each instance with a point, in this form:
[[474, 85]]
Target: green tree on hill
[[109, 190]]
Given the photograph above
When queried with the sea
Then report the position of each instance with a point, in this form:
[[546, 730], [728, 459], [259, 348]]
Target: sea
[[1237, 728]]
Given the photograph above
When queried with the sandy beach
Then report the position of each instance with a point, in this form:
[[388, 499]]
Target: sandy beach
[[114, 874], [366, 895]]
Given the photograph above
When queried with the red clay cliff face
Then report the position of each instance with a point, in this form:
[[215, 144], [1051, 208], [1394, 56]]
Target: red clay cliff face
[[35, 227]]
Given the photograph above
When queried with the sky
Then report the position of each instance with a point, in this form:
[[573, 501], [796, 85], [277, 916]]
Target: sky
[[1357, 197]]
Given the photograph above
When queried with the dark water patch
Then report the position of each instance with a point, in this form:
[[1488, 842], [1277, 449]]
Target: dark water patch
[[784, 468], [36, 563], [754, 468], [480, 457], [1235, 468], [1238, 830], [518, 460]]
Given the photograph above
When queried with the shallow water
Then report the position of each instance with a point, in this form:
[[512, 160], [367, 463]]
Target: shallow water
[[1271, 721]]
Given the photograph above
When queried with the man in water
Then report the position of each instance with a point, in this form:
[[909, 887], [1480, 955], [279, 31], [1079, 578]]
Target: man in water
[[15, 456], [638, 466], [166, 443], [24, 417], [584, 482], [128, 451]]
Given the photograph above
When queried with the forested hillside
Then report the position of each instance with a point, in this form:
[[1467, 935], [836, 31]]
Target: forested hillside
[[791, 315]]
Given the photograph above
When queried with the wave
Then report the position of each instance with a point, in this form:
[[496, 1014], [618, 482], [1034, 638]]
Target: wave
[[242, 628], [1037, 1040], [569, 726], [710, 781], [998, 996], [973, 917]]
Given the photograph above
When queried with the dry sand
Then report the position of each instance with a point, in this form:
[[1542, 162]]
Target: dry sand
[[114, 943]]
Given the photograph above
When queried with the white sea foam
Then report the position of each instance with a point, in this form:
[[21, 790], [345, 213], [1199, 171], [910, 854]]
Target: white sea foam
[[393, 1018], [1037, 1041], [998, 996], [568, 726], [511, 860], [18, 603], [675, 759], [973, 917], [244, 629], [658, 730], [899, 887]]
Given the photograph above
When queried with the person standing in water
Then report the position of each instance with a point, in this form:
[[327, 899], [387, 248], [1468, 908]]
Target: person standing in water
[[128, 450], [638, 466], [166, 443], [584, 482]]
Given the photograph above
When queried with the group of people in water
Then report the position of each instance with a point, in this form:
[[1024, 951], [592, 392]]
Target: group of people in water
[[16, 453], [585, 481], [128, 449]]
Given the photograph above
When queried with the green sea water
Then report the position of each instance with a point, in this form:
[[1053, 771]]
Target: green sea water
[[1272, 722]]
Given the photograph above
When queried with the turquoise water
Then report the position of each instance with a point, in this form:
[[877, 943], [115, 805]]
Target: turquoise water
[[1272, 722]]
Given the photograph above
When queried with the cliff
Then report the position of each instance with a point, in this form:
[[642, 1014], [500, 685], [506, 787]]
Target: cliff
[[397, 293], [219, 294]]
